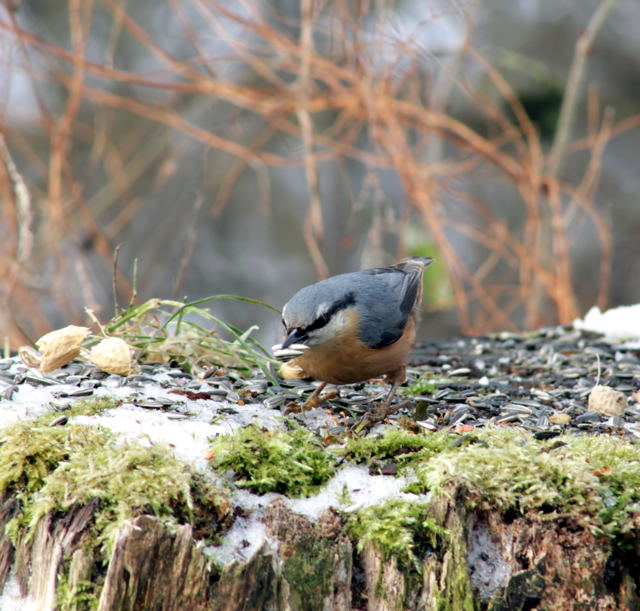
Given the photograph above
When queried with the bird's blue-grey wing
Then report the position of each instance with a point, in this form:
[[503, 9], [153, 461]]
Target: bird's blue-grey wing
[[388, 302]]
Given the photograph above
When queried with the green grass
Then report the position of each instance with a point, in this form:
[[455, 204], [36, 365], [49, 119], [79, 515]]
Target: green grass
[[187, 334]]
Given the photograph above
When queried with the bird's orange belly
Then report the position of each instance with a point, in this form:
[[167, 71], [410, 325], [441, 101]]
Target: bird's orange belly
[[345, 359]]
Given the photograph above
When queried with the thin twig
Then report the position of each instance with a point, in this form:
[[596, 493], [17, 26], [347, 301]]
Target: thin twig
[[572, 90], [114, 280], [313, 226], [192, 236], [24, 211]]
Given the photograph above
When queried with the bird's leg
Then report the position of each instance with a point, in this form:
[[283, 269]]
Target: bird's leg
[[314, 399], [392, 391], [385, 408], [395, 379]]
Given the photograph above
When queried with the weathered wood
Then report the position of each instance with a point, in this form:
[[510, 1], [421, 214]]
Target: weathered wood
[[386, 585], [554, 564], [8, 508], [54, 540], [253, 584], [306, 565], [151, 568], [81, 569], [315, 559], [485, 560]]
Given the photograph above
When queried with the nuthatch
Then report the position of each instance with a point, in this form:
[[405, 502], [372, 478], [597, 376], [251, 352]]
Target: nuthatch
[[352, 327]]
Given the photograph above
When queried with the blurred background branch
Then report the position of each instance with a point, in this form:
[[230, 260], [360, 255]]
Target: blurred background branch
[[572, 90], [253, 147]]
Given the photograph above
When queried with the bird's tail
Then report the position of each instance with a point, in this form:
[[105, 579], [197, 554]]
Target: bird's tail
[[422, 262]]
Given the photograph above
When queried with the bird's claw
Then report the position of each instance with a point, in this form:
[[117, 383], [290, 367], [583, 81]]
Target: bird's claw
[[380, 415]]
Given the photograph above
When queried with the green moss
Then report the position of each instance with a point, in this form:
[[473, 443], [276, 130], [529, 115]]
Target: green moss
[[91, 407], [616, 467], [594, 478], [28, 454], [424, 385], [396, 528], [84, 407], [52, 469], [592, 482], [457, 593], [344, 496], [290, 462], [85, 595], [309, 571], [401, 446]]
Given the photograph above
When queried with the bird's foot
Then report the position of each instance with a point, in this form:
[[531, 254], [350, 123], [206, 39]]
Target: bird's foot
[[383, 411], [312, 402], [316, 399]]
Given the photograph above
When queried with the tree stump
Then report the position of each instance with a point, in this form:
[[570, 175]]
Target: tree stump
[[486, 560]]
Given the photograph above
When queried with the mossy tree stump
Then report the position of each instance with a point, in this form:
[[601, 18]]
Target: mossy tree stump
[[499, 520], [484, 561]]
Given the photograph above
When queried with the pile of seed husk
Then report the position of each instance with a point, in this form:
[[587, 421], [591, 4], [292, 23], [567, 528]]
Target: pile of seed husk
[[539, 381]]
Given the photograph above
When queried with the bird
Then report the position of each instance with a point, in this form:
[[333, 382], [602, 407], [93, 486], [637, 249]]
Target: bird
[[353, 327]]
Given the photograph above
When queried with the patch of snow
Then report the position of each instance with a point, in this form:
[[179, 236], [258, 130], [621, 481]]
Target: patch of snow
[[189, 437], [12, 600], [29, 402], [354, 482], [241, 541], [617, 324]]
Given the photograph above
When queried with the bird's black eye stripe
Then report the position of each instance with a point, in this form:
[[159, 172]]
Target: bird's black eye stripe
[[348, 300]]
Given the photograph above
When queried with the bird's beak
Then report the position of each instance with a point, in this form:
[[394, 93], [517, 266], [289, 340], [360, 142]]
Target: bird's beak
[[296, 336]]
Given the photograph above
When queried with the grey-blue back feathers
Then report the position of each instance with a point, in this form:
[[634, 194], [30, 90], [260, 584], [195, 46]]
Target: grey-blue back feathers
[[383, 297]]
